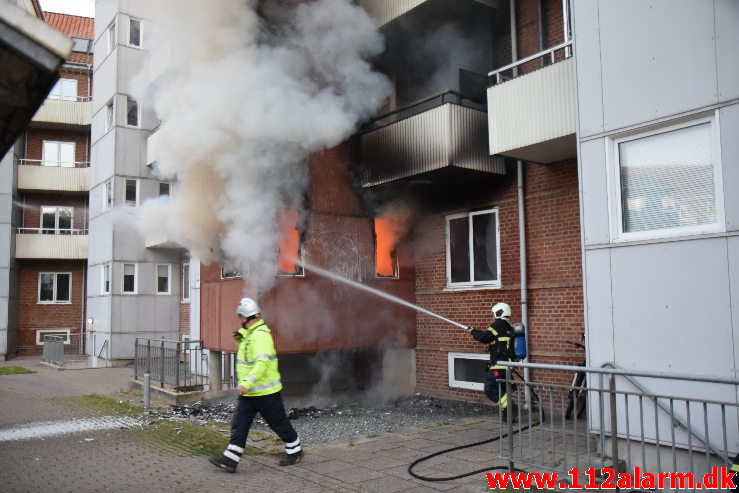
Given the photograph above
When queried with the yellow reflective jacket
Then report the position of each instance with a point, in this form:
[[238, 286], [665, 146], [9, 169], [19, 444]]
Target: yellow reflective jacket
[[256, 361]]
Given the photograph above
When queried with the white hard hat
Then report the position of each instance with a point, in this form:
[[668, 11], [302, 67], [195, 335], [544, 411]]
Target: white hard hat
[[501, 310], [247, 307]]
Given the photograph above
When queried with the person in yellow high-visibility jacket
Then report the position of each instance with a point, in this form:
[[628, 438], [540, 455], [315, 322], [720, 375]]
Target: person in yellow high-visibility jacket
[[259, 389]]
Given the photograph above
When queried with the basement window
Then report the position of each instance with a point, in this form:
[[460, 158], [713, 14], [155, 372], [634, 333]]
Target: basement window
[[467, 370], [290, 253], [54, 287], [386, 248], [473, 250], [42, 333]]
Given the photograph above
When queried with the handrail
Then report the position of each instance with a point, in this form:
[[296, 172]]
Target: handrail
[[55, 164], [549, 51], [71, 99], [55, 231]]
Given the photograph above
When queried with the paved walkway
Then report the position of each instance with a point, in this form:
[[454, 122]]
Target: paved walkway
[[120, 460]]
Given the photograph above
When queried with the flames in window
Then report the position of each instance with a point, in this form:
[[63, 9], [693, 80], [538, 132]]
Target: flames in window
[[289, 252], [387, 233]]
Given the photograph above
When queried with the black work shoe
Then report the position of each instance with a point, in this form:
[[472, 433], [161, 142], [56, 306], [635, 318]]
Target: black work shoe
[[289, 460], [222, 463]]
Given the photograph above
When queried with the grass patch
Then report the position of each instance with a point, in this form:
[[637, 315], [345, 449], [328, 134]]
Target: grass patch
[[14, 370], [102, 404], [189, 438]]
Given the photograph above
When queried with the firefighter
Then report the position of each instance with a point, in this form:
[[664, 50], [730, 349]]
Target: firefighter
[[259, 390], [499, 338]]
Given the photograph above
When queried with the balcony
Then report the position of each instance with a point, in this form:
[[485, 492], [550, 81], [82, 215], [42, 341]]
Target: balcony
[[443, 132], [64, 113], [37, 175], [35, 243], [532, 116], [385, 11]]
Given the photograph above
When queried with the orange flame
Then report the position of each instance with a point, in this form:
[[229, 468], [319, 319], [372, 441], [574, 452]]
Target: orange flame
[[290, 243], [387, 232]]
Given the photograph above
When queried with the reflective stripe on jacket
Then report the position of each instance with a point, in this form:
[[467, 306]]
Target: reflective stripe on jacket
[[256, 361], [501, 344]]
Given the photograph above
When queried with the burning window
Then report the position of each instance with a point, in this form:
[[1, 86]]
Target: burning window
[[290, 253], [386, 247], [473, 249]]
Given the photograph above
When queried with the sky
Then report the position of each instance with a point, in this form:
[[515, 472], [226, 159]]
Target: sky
[[85, 8]]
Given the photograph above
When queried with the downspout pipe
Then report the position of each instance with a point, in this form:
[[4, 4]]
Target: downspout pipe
[[522, 264]]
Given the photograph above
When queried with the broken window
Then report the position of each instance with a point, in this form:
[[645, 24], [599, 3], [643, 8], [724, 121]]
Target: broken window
[[386, 247], [290, 253], [473, 249], [132, 192]]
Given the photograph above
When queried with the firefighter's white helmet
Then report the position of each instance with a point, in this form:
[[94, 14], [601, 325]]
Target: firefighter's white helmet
[[247, 307], [501, 310]]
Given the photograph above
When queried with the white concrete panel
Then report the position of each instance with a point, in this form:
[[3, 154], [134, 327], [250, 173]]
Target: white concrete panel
[[729, 122], [669, 301], [100, 239], [104, 12], [658, 59], [104, 81], [727, 40], [599, 311], [130, 152], [102, 159], [588, 67], [733, 254], [594, 186]]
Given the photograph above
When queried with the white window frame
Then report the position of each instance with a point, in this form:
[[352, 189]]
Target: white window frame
[[464, 384], [135, 278], [471, 284], [185, 295], [110, 115], [106, 270], [61, 332], [129, 100], [108, 195], [56, 230], [57, 160], [130, 203], [614, 183], [141, 32], [62, 90], [169, 278], [56, 282], [111, 38]]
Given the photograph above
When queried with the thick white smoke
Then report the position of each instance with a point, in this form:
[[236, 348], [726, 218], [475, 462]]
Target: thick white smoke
[[249, 90]]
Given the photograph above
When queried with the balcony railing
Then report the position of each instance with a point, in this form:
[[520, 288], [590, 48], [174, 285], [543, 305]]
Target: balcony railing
[[546, 57], [33, 243], [60, 164], [75, 112], [51, 231]]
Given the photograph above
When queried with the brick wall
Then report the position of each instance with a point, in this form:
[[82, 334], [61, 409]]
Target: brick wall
[[33, 315], [555, 305]]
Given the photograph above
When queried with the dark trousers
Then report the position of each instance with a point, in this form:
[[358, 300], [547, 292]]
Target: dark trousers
[[272, 410], [494, 389]]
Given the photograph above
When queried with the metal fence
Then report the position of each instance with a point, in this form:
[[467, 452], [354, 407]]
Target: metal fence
[[179, 365], [689, 427]]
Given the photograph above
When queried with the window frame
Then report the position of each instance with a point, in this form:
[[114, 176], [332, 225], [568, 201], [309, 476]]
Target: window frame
[[106, 268], [54, 301], [110, 115], [62, 95], [615, 206], [464, 384], [108, 195], [169, 279], [141, 32], [127, 202], [111, 38], [487, 284], [393, 255], [232, 274], [185, 294], [135, 278], [129, 101], [42, 332], [56, 230], [57, 162]]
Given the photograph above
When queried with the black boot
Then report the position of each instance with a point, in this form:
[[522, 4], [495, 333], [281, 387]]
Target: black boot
[[289, 460], [223, 463]]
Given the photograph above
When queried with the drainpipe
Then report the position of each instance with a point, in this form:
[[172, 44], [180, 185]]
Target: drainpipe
[[514, 36], [522, 263]]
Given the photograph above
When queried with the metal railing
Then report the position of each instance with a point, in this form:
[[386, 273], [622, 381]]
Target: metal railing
[[548, 55], [54, 163], [179, 365], [681, 429], [51, 231], [54, 349]]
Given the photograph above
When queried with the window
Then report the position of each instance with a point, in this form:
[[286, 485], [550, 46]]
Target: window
[[64, 89], [54, 287], [132, 112], [81, 45], [386, 252], [129, 278], [56, 220], [42, 333], [134, 32], [163, 189], [473, 250], [668, 182], [58, 154], [105, 281], [108, 195], [112, 37], [163, 274], [132, 192], [109, 116], [290, 253], [228, 272], [467, 370], [185, 282]]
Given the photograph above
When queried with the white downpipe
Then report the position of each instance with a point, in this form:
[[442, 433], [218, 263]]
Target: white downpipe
[[522, 263]]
